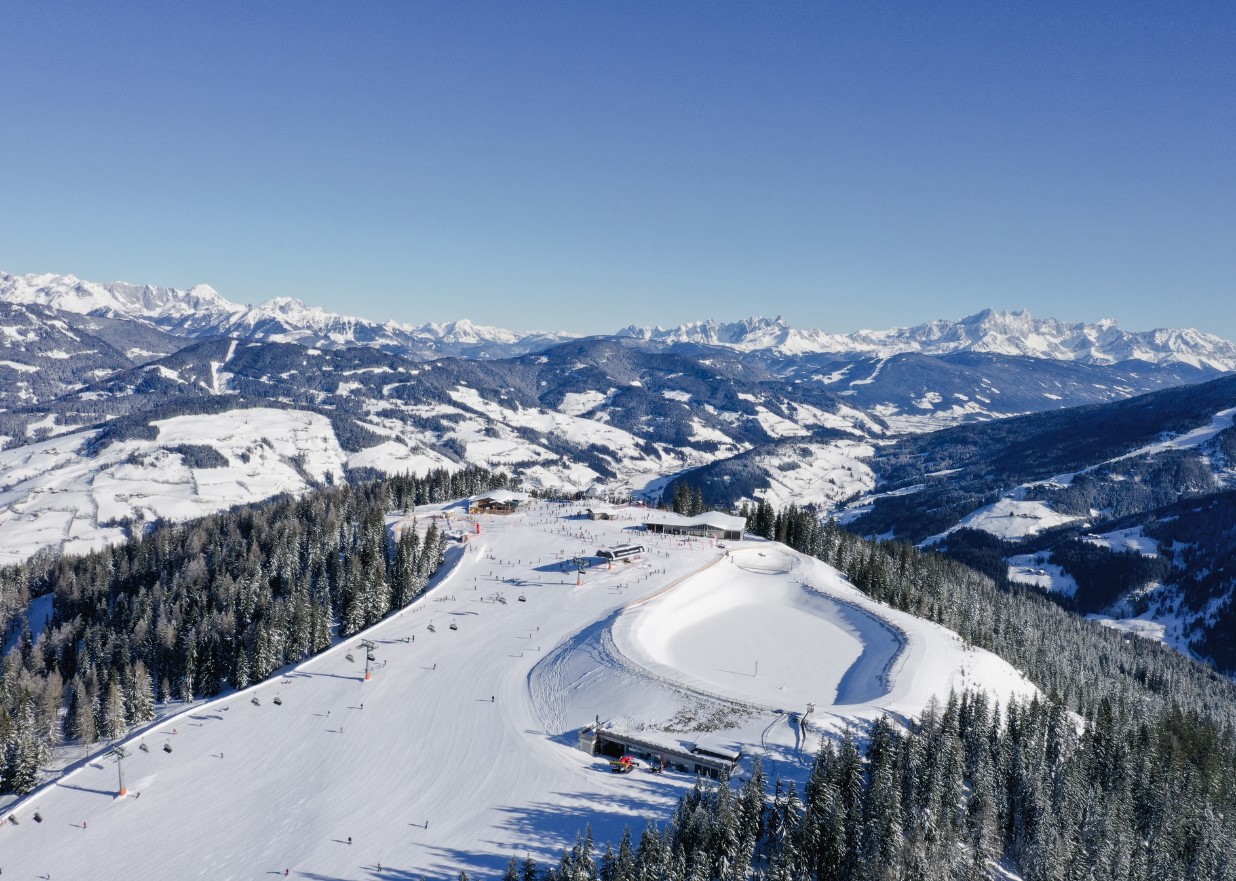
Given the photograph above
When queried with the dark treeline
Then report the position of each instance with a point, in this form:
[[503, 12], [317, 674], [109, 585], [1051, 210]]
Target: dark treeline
[[687, 500], [189, 610], [1125, 770]]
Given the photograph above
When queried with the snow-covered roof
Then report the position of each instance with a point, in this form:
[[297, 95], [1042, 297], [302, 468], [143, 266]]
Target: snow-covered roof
[[715, 519], [713, 747], [502, 495]]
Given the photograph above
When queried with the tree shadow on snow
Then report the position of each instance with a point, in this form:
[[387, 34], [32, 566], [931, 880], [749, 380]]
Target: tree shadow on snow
[[545, 829]]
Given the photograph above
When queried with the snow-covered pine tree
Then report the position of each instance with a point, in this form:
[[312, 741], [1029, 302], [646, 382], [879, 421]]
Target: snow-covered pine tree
[[140, 703]]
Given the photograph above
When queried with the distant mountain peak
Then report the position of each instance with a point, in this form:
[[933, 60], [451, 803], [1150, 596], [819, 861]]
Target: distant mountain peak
[[990, 330], [201, 311]]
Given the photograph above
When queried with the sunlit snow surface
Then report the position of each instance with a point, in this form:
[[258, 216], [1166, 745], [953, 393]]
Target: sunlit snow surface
[[465, 750], [1010, 519], [52, 496], [1032, 569]]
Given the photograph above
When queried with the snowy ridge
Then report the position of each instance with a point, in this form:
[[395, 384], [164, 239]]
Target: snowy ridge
[[201, 311], [1001, 333]]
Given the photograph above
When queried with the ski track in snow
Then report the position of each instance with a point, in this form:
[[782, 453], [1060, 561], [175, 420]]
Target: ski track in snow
[[461, 751], [872, 378]]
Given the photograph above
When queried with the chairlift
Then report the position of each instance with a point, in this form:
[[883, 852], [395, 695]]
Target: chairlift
[[454, 626], [502, 600], [522, 598], [167, 747], [38, 818], [432, 629], [349, 657], [278, 701], [143, 747], [370, 657], [254, 700]]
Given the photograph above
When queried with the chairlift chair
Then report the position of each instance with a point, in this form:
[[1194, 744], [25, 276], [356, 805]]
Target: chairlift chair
[[370, 657], [349, 657], [167, 747], [432, 629], [454, 626], [143, 747], [254, 700], [522, 598], [278, 701]]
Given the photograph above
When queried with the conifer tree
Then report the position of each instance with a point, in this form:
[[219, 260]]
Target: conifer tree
[[140, 704]]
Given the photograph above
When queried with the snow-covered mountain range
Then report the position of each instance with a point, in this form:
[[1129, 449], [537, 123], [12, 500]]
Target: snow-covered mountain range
[[999, 333], [201, 311]]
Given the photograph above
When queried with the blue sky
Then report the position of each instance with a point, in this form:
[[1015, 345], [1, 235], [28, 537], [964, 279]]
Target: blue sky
[[584, 166]]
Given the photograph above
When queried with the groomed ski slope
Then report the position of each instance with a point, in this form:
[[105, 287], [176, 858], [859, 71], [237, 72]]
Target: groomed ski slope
[[461, 750]]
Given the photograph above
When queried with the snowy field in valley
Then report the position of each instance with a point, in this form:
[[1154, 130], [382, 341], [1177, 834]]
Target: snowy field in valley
[[52, 496], [1123, 540], [462, 748], [1010, 519], [823, 473], [1033, 569], [56, 496]]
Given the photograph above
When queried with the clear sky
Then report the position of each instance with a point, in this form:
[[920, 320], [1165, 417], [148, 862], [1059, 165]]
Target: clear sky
[[584, 166]]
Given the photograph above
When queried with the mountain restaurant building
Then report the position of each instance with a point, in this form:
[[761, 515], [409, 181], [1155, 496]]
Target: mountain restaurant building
[[499, 501], [712, 524]]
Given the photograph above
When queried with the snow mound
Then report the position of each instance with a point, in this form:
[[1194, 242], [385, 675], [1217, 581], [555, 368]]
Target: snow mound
[[738, 631]]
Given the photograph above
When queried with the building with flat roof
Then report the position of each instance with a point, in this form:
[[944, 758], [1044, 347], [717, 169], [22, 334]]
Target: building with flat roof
[[711, 524], [705, 761]]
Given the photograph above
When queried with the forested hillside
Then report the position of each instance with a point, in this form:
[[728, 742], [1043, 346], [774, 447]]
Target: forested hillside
[[189, 611], [956, 471]]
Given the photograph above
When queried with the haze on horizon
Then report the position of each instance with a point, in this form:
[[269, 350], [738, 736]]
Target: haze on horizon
[[583, 168]]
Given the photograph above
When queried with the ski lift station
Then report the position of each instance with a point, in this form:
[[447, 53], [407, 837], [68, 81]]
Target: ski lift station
[[712, 524], [621, 552], [500, 501], [703, 758]]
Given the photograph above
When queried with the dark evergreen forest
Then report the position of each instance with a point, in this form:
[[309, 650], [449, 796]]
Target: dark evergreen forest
[[187, 611]]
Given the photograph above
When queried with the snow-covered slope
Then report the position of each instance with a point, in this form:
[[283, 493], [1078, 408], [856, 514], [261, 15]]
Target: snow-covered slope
[[46, 353], [1002, 333], [54, 497], [462, 749]]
